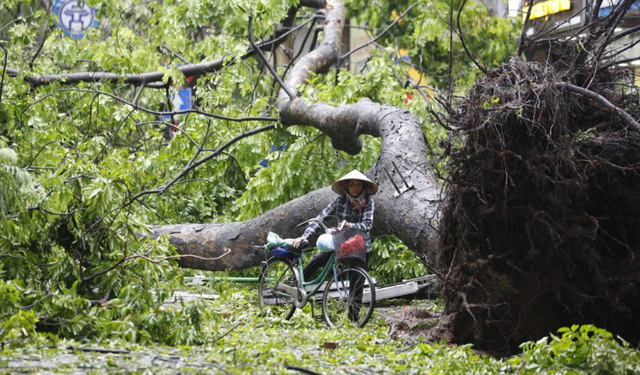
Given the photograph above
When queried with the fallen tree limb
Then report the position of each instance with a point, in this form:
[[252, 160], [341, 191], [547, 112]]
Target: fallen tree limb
[[602, 100], [97, 350], [406, 204]]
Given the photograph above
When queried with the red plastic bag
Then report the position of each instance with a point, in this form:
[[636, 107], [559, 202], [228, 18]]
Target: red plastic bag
[[354, 247]]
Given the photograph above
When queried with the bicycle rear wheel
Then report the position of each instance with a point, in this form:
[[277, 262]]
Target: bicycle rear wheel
[[277, 286], [349, 299]]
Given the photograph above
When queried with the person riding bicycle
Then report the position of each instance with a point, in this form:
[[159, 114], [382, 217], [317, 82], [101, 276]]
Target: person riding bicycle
[[354, 204]]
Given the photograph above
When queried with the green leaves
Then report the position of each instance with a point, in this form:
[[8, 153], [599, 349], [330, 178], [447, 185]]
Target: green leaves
[[580, 348], [10, 295], [16, 190], [18, 326], [425, 33], [81, 164], [494, 100], [228, 334], [393, 262]]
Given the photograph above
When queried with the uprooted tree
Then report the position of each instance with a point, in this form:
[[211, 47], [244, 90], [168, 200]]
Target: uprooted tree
[[538, 224], [528, 219]]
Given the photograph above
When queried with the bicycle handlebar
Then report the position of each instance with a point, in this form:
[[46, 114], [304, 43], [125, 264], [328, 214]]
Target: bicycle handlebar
[[322, 224]]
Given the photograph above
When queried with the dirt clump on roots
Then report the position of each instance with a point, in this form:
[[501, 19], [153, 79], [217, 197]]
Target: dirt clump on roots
[[542, 219]]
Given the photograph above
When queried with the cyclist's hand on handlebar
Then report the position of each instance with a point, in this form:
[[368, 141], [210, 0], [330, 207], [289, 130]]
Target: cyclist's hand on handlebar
[[298, 241]]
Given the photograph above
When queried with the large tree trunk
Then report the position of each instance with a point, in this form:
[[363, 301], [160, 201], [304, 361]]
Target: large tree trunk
[[409, 213]]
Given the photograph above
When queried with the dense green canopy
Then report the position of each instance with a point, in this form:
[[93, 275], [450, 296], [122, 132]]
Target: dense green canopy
[[93, 151]]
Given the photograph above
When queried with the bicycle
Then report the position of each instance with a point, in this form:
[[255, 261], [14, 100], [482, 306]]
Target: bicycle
[[282, 288]]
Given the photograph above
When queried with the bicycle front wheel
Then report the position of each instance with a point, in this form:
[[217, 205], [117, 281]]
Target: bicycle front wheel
[[349, 299], [277, 288]]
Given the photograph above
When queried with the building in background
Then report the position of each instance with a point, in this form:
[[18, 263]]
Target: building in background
[[565, 18]]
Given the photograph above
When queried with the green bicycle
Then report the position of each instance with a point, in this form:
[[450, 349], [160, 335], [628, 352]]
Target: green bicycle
[[347, 290]]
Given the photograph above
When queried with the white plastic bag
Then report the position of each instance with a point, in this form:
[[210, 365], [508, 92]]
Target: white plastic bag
[[325, 243]]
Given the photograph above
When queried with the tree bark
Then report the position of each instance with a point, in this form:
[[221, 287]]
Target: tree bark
[[408, 198]]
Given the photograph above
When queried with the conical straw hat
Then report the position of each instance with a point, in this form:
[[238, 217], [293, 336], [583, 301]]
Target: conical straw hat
[[354, 175]]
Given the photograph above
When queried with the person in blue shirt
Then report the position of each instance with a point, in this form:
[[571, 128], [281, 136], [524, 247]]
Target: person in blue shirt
[[354, 204]]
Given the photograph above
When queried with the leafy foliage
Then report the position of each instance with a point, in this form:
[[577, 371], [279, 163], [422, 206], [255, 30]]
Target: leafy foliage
[[86, 168], [580, 349], [425, 33], [393, 262], [232, 337]]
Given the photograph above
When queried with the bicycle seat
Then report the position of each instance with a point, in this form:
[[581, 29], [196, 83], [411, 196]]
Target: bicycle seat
[[288, 245]]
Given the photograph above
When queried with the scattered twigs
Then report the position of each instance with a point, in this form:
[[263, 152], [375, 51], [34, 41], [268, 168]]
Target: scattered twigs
[[616, 15], [464, 45], [230, 330], [164, 188], [618, 52], [592, 15], [4, 69], [523, 33], [27, 307], [302, 370], [275, 75], [97, 350], [173, 113], [626, 117], [375, 39], [113, 135], [26, 260], [227, 252], [124, 259], [449, 81], [44, 38]]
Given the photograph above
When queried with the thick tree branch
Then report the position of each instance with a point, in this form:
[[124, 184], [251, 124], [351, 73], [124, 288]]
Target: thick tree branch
[[406, 204], [282, 32], [626, 32], [320, 59]]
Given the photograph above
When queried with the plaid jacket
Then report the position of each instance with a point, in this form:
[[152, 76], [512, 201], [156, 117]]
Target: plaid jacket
[[341, 209]]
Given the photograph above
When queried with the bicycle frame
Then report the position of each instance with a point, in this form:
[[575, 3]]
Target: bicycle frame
[[319, 281], [299, 292], [341, 305]]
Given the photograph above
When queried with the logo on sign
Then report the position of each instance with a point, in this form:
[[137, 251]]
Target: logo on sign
[[75, 19]]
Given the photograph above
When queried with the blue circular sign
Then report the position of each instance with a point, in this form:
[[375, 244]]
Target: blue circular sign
[[74, 18]]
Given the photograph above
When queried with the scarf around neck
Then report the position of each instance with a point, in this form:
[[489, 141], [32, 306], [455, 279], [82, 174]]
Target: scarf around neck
[[358, 202]]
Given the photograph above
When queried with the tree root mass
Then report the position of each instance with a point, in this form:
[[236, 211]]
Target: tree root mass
[[543, 209]]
